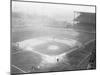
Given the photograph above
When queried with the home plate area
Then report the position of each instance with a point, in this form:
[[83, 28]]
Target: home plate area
[[43, 53]]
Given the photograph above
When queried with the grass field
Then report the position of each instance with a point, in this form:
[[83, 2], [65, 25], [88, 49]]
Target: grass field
[[25, 61]]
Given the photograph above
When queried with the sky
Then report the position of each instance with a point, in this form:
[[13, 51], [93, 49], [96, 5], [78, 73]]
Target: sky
[[56, 11]]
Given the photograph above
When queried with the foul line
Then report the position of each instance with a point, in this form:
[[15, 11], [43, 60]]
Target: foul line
[[18, 68]]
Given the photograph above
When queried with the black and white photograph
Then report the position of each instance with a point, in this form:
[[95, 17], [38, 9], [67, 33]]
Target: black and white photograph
[[52, 37]]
